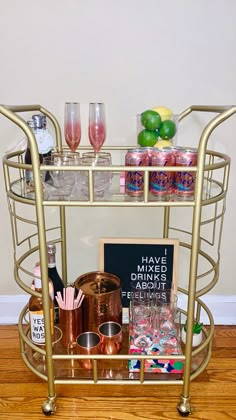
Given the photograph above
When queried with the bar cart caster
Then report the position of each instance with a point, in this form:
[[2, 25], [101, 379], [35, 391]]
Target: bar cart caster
[[49, 406], [183, 407]]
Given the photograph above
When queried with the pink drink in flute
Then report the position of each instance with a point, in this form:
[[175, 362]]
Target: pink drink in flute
[[72, 125], [97, 125]]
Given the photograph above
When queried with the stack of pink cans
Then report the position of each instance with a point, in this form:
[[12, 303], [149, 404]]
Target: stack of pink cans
[[161, 182]]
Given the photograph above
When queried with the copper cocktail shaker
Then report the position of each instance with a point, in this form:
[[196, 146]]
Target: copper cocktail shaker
[[102, 299]]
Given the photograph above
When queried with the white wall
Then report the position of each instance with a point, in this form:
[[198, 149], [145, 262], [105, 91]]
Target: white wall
[[132, 55]]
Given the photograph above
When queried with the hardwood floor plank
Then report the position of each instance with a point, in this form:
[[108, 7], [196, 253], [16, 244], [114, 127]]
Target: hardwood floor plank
[[222, 364], [124, 409], [225, 341], [224, 331], [201, 390], [222, 376]]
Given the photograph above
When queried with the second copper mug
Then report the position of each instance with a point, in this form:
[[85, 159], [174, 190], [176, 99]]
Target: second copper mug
[[88, 343], [111, 337]]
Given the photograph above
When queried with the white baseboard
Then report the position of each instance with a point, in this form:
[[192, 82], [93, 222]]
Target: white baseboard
[[223, 308], [11, 307]]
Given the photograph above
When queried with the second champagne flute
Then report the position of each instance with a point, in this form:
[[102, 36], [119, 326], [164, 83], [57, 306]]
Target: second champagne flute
[[72, 125], [97, 125]]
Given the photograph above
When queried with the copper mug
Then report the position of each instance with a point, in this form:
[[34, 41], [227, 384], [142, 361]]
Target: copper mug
[[111, 337], [88, 343]]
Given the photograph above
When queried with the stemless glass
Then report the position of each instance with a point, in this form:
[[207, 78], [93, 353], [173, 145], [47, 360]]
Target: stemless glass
[[93, 155], [97, 125], [142, 318], [61, 183], [101, 178], [72, 125], [105, 155], [167, 321]]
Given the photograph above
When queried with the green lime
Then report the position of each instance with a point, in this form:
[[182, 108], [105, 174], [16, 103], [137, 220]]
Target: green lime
[[151, 120], [167, 129], [147, 138]]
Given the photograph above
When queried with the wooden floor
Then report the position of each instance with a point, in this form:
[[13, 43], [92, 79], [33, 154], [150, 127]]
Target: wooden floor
[[213, 393]]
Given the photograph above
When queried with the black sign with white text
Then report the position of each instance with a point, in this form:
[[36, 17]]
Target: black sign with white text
[[141, 266]]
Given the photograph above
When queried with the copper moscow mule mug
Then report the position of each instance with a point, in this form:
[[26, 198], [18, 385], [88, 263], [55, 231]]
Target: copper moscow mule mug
[[87, 343], [102, 299], [111, 337]]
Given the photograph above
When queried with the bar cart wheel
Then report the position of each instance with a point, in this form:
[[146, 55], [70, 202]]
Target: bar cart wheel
[[49, 406], [183, 407]]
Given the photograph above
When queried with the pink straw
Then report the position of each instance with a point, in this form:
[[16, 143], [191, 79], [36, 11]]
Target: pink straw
[[68, 302]]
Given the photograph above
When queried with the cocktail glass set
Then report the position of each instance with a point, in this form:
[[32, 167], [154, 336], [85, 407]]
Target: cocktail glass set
[[154, 318]]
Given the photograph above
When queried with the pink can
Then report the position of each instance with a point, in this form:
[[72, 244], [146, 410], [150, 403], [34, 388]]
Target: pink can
[[161, 182], [134, 180], [176, 149], [185, 181], [149, 151]]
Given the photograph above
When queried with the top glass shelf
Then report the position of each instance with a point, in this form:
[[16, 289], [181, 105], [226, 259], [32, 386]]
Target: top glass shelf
[[116, 195], [215, 170]]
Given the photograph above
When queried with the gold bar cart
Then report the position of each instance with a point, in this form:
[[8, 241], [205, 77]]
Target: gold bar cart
[[212, 174]]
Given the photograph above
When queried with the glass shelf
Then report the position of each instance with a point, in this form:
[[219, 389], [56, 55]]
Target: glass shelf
[[116, 194], [113, 370]]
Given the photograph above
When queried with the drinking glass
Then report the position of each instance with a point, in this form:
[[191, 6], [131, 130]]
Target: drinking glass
[[141, 308], [105, 155], [93, 155], [72, 125], [66, 154], [101, 179], [97, 125], [73, 159], [167, 321], [170, 330], [60, 183]]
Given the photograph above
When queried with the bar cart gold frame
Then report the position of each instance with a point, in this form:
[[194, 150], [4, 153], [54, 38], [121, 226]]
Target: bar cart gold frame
[[208, 163]]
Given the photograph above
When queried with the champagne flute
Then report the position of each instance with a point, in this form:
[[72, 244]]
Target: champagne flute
[[72, 125], [97, 126]]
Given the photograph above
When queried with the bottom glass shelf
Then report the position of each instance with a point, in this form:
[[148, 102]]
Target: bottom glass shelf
[[109, 369]]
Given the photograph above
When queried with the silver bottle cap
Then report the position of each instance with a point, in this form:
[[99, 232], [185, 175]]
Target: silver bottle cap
[[51, 249], [31, 124], [39, 121]]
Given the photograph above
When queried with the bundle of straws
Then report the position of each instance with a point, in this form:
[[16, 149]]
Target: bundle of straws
[[68, 301]]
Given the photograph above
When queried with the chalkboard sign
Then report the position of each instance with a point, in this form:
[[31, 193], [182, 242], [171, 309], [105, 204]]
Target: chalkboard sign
[[140, 264]]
